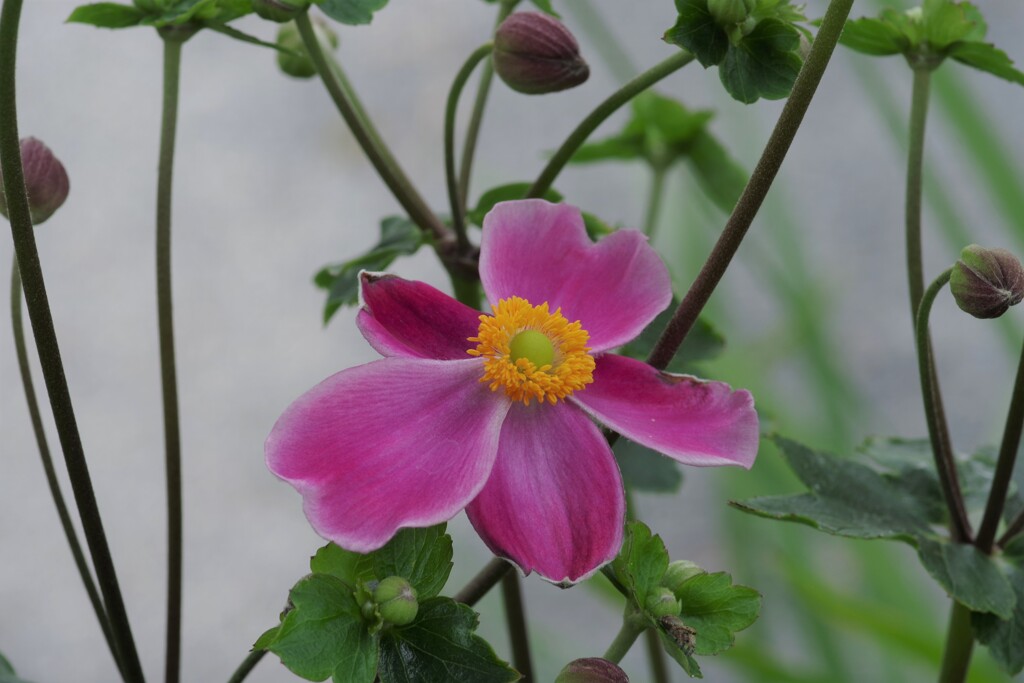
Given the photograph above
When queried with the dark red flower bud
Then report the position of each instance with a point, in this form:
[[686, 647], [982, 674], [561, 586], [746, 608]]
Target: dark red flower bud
[[592, 670], [986, 282], [46, 181], [536, 54]]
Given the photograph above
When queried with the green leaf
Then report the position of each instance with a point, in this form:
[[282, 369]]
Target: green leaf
[[686, 661], [1004, 637], [504, 193], [268, 637], [873, 37], [717, 609], [644, 469], [107, 15], [352, 12], [969, 576], [596, 227], [7, 674], [545, 6], [423, 557], [703, 342], [350, 567], [718, 174], [440, 645], [398, 237], [641, 563], [764, 63], [987, 57], [324, 636], [697, 31], [944, 23]]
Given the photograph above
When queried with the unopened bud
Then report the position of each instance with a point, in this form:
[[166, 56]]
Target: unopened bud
[[986, 282], [46, 181], [662, 603], [678, 573], [396, 600], [293, 58], [536, 54], [279, 10], [592, 670], [729, 12]]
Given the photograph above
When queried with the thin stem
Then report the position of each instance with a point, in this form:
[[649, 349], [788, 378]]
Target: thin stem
[[620, 97], [168, 372], [1015, 527], [380, 156], [915, 165], [247, 665], [48, 348], [656, 657], [757, 187], [455, 198], [36, 418], [1005, 464], [515, 614], [658, 177], [959, 645], [486, 579], [627, 635], [479, 104], [944, 464]]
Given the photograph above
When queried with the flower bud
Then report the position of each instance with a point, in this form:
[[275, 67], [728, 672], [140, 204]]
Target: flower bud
[[678, 573], [536, 54], [662, 603], [295, 60], [46, 181], [396, 600], [592, 670], [279, 10], [729, 12], [986, 282]]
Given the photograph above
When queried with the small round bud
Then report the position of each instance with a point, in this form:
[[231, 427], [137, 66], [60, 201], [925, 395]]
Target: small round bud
[[678, 573], [986, 282], [729, 12], [46, 181], [279, 10], [296, 62], [396, 600], [662, 603], [536, 54], [592, 670]]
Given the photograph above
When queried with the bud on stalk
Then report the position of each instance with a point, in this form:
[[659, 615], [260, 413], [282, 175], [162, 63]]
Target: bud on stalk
[[46, 181], [535, 54], [986, 282], [592, 670]]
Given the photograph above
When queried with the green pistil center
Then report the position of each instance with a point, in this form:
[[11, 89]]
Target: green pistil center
[[533, 346]]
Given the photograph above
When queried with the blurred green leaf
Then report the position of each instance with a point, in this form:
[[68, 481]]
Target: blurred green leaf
[[717, 609], [1005, 637], [719, 175], [423, 557], [350, 567], [703, 342], [647, 470], [873, 37], [764, 63], [352, 12], [7, 674], [504, 193], [987, 57], [697, 31], [969, 576], [107, 15]]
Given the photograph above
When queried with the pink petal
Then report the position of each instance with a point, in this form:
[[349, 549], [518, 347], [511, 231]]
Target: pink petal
[[554, 503], [393, 443], [406, 318], [540, 251], [690, 420]]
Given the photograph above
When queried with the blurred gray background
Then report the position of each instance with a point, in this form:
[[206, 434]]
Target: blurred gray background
[[270, 186]]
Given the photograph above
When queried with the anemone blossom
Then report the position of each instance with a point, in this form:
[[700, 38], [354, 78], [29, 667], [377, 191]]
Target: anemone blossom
[[495, 413]]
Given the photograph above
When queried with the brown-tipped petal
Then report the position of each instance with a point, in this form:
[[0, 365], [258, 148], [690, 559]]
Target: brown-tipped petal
[[986, 282], [536, 54]]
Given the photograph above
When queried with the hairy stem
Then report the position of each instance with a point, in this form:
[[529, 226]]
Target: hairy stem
[[247, 665], [48, 349], [486, 579], [956, 657], [515, 614]]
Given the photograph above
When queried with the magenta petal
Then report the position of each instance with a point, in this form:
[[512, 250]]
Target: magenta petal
[[540, 251], [554, 503], [393, 443], [690, 420], [406, 318]]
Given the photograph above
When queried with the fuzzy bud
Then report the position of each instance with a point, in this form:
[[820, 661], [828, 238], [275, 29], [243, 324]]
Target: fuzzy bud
[[678, 573], [279, 10], [730, 12], [396, 600], [46, 181], [536, 54], [295, 61], [592, 670], [662, 603], [986, 282]]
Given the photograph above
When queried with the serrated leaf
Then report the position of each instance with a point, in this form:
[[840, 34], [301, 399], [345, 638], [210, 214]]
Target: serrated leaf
[[687, 662], [324, 636], [718, 174], [697, 31], [764, 64], [399, 237], [266, 638], [987, 57], [703, 342], [641, 563], [423, 557], [440, 645], [107, 15], [1005, 637], [346, 565], [969, 576], [717, 609], [352, 12], [647, 470], [873, 37], [504, 193]]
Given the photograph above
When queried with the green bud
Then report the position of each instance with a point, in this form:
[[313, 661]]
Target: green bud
[[396, 600], [295, 60], [662, 603], [678, 573], [729, 12], [986, 282], [592, 670], [279, 10], [536, 54], [46, 181]]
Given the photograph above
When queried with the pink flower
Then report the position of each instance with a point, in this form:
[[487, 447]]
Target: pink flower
[[492, 413]]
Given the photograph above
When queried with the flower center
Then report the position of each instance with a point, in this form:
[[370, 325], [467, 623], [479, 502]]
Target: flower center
[[532, 353]]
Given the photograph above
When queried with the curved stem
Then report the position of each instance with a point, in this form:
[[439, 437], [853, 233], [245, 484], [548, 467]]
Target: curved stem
[[757, 187], [247, 665], [380, 156], [455, 198], [627, 635], [1005, 464], [915, 163], [944, 464], [959, 645], [658, 177], [168, 371], [588, 125], [49, 350], [1014, 528], [486, 579], [36, 418], [515, 614]]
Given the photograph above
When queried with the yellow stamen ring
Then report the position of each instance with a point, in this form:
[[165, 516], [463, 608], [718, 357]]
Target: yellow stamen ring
[[532, 353]]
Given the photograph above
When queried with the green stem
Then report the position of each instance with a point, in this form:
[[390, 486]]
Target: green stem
[[247, 665], [1005, 464], [959, 645], [479, 104], [620, 97], [757, 187], [915, 165], [660, 174], [21, 350], [455, 198], [941, 449], [168, 371], [49, 350], [515, 615], [486, 579], [380, 156], [630, 631], [656, 657]]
